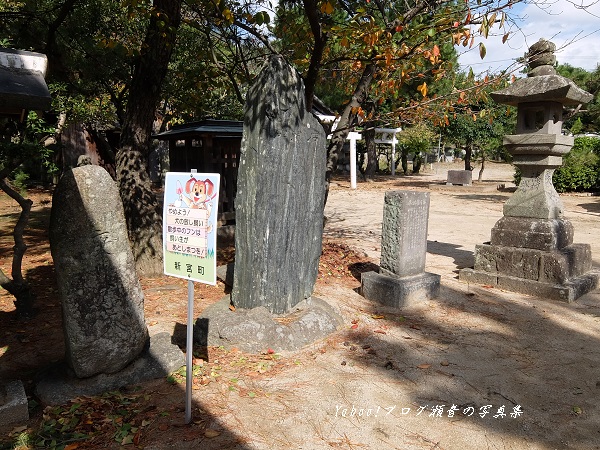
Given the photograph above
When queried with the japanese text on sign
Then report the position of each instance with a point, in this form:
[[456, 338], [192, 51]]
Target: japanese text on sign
[[189, 224]]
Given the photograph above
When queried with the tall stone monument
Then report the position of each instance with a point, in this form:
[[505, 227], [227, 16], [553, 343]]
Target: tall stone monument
[[102, 299], [531, 249], [279, 224], [402, 280], [280, 194]]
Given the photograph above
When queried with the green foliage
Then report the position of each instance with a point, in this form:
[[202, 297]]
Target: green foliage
[[591, 117], [198, 87], [581, 169], [112, 415], [416, 140], [59, 428], [98, 111], [587, 120], [19, 179], [93, 47], [480, 125], [21, 441], [21, 149], [577, 126]]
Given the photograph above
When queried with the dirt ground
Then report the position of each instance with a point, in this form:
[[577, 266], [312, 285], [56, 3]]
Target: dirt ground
[[475, 368]]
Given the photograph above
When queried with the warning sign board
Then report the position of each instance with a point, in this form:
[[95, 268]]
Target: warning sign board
[[190, 226]]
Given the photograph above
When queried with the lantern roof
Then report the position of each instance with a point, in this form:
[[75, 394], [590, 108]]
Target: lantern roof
[[542, 84], [542, 88]]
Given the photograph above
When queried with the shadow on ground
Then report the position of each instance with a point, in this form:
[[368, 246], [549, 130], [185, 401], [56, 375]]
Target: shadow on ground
[[487, 347], [593, 206], [462, 258], [19, 336], [480, 197]]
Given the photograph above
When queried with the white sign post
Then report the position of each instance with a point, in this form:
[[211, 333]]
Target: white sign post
[[190, 243], [353, 137]]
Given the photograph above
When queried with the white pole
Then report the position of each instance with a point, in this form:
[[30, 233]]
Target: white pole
[[353, 138], [353, 164], [394, 155], [189, 350]]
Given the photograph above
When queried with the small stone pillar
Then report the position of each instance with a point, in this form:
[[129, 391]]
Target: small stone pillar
[[531, 249], [402, 279]]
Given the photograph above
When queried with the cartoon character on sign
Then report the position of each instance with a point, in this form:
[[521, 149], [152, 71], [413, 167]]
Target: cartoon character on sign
[[198, 194]]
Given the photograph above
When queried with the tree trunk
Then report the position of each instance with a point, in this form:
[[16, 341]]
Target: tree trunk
[[468, 153], [480, 177], [369, 136], [142, 210], [346, 122], [58, 155], [417, 162], [320, 40], [18, 287]]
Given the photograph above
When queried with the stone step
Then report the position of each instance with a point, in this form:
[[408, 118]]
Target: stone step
[[566, 292]]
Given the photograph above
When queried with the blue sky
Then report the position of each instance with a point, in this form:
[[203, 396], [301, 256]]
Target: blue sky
[[575, 32]]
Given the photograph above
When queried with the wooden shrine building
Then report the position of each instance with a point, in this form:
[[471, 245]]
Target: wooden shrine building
[[209, 146]]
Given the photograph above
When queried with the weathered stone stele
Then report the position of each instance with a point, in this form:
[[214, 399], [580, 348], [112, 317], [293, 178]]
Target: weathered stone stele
[[402, 280], [102, 300], [280, 194], [404, 233]]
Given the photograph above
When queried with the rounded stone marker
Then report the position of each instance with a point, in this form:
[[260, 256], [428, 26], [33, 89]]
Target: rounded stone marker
[[102, 300]]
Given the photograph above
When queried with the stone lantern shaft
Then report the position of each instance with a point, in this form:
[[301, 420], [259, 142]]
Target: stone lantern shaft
[[531, 249], [539, 145]]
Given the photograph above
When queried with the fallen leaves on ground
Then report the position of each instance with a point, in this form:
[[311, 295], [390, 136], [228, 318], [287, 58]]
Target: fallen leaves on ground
[[123, 418]]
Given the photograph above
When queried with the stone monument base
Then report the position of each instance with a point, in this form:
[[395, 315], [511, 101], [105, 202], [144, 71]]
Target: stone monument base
[[59, 385], [13, 404], [257, 330], [397, 291], [527, 232]]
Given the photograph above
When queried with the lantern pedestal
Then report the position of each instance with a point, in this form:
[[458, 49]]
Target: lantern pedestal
[[534, 257]]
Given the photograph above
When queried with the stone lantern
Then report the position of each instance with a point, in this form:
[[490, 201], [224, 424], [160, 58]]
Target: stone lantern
[[531, 249]]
